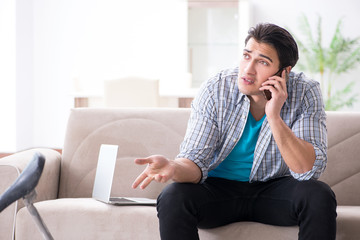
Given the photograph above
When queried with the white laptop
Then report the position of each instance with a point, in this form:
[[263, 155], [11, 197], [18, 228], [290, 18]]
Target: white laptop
[[104, 178]]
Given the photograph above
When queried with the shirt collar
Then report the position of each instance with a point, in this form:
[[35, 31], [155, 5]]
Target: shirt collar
[[241, 97]]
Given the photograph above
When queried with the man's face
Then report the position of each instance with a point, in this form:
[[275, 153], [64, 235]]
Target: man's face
[[259, 62]]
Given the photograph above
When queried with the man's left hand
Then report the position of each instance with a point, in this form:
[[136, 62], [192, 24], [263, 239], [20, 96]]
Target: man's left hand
[[277, 86]]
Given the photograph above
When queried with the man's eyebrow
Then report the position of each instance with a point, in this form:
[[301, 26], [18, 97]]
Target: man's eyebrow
[[261, 55]]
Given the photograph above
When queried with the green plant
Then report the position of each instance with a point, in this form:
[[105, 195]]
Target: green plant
[[342, 55]]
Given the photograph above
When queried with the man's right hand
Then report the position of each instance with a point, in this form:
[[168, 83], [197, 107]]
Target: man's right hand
[[159, 169]]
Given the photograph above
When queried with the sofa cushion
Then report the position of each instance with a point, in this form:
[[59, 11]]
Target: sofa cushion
[[348, 222], [249, 230], [7, 216], [86, 218], [69, 218], [342, 172]]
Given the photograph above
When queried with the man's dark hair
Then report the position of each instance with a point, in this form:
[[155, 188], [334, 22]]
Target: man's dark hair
[[279, 38]]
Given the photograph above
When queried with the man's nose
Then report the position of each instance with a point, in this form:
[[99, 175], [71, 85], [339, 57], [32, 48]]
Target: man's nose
[[250, 68]]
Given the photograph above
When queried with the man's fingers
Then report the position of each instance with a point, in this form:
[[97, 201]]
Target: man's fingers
[[146, 182], [142, 161], [155, 165], [139, 179], [160, 178]]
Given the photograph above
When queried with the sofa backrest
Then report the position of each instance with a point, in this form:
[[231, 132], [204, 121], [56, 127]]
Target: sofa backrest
[[343, 168], [139, 132], [143, 132]]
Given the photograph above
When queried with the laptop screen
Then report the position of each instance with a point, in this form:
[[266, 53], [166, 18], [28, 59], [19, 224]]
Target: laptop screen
[[105, 172]]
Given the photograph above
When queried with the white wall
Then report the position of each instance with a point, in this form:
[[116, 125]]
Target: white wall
[[287, 12], [24, 74], [92, 41], [213, 41], [7, 76]]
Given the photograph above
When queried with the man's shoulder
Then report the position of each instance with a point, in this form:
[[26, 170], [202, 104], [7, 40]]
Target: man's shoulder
[[300, 84], [230, 72], [303, 89], [302, 79], [224, 83], [228, 75]]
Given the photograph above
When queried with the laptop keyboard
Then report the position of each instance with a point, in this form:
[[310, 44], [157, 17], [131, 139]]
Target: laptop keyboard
[[121, 200]]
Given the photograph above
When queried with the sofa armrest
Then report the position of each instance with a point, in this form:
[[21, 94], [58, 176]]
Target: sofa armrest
[[47, 187]]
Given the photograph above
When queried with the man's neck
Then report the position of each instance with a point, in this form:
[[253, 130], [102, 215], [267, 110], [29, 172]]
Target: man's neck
[[257, 106]]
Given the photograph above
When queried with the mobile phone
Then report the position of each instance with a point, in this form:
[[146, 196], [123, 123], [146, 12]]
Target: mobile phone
[[267, 93]]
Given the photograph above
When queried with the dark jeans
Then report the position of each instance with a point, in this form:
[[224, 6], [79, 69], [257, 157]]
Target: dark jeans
[[185, 207]]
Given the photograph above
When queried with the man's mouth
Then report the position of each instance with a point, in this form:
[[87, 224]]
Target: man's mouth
[[248, 80]]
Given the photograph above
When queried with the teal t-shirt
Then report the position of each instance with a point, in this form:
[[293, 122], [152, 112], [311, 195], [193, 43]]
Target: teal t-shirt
[[237, 165]]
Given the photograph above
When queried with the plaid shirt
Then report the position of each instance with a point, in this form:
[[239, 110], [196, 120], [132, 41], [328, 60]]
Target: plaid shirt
[[218, 117]]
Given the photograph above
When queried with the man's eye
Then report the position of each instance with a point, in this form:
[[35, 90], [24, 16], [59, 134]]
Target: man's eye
[[246, 56], [264, 63]]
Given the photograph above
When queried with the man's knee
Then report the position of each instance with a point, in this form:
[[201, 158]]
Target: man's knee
[[177, 217], [177, 196], [316, 193], [174, 192]]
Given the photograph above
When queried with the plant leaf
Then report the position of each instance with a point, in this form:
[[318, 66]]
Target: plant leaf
[[341, 98]]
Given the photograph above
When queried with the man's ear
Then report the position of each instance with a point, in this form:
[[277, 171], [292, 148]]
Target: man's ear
[[288, 69]]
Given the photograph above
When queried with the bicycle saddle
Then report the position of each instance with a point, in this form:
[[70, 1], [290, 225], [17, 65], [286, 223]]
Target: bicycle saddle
[[25, 183]]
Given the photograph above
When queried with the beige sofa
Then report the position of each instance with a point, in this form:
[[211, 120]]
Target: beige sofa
[[64, 190]]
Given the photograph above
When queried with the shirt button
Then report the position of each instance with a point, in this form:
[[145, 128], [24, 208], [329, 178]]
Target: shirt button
[[243, 116], [234, 140]]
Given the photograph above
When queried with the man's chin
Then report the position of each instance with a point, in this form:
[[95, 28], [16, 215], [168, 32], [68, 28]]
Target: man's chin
[[251, 93], [248, 91]]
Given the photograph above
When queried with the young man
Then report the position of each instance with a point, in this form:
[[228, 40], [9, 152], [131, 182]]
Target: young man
[[248, 157]]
